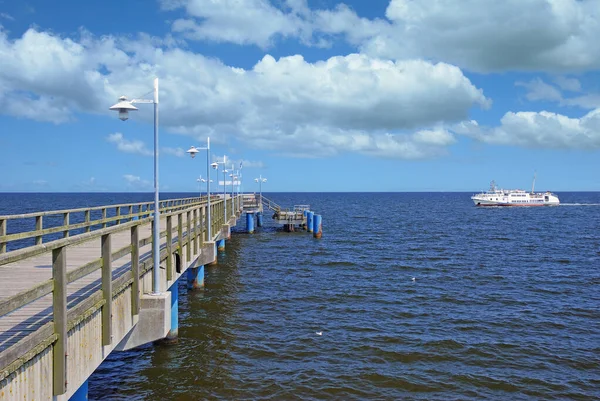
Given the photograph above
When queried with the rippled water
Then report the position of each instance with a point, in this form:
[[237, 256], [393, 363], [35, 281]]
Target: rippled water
[[503, 305]]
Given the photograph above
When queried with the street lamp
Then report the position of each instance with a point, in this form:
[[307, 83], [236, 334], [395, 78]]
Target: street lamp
[[123, 107], [200, 180], [215, 165], [192, 151], [260, 180], [233, 178]]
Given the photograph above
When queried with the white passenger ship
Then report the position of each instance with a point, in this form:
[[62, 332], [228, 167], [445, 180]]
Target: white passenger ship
[[514, 197]]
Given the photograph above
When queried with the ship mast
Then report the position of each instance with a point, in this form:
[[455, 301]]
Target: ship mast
[[533, 185]]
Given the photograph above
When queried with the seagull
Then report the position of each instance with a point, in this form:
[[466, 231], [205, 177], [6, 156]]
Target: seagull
[[414, 279], [319, 333]]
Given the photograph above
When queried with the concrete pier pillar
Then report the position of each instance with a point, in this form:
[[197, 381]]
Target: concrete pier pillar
[[250, 223], [259, 219], [173, 332], [195, 278], [81, 394], [221, 245], [317, 229], [309, 221]]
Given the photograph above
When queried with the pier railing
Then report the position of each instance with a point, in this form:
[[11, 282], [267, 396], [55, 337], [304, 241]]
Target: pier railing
[[185, 226], [56, 223]]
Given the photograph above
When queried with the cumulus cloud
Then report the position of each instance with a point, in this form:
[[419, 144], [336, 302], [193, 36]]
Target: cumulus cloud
[[136, 182], [568, 84], [348, 103], [237, 21], [539, 129], [538, 90], [128, 146], [480, 35], [178, 152]]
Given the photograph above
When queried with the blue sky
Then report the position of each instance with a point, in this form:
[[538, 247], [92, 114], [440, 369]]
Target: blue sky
[[315, 95]]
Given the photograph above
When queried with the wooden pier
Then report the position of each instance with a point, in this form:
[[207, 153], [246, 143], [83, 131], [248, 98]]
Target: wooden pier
[[66, 303]]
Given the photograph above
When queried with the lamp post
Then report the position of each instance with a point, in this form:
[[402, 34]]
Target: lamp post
[[200, 180], [192, 151], [215, 165], [233, 178], [260, 180], [123, 107]]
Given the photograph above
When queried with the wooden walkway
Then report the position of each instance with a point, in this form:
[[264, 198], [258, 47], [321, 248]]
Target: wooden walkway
[[33, 279], [22, 275]]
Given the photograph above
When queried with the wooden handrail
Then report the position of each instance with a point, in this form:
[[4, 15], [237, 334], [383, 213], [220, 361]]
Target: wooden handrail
[[46, 287], [87, 224]]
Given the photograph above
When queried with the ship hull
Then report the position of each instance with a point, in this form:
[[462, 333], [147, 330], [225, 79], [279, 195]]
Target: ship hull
[[485, 202]]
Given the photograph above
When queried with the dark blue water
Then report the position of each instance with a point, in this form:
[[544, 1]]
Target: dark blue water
[[504, 305]]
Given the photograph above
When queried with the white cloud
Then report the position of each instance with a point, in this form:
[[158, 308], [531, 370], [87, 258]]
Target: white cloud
[[7, 16], [539, 129], [40, 183], [353, 103], [178, 152], [539, 90], [568, 84], [136, 182], [237, 21], [128, 146], [480, 35]]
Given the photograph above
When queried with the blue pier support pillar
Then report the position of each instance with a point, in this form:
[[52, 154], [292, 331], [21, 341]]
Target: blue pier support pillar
[[221, 245], [173, 333], [81, 394], [250, 223], [259, 219], [317, 229], [309, 221], [195, 278]]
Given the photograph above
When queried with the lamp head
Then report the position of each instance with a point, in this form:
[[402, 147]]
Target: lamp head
[[214, 165], [123, 107], [192, 151]]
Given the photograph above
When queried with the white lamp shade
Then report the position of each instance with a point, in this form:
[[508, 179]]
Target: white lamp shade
[[123, 107], [192, 151]]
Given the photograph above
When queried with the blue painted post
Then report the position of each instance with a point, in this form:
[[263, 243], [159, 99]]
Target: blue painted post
[[221, 245], [195, 278], [259, 219], [81, 394], [250, 223], [317, 229], [305, 213], [309, 221], [172, 334]]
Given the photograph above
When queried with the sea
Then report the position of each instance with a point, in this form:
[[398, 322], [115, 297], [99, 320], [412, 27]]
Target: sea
[[407, 296]]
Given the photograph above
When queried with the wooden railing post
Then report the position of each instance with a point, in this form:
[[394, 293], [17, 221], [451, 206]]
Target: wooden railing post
[[196, 231], [39, 225], [87, 221], [106, 291], [130, 212], [180, 235], [59, 311], [66, 224], [103, 217], [2, 233], [189, 236], [135, 270], [202, 227], [118, 214], [169, 248]]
